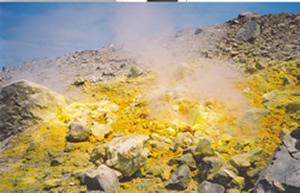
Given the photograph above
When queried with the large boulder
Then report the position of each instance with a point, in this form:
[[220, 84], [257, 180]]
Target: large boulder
[[24, 104], [282, 173], [249, 31], [127, 154]]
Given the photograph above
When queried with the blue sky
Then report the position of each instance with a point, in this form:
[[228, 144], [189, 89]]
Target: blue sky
[[39, 30]]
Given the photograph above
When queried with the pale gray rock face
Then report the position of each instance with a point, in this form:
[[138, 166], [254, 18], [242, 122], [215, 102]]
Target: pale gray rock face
[[282, 173], [103, 179], [127, 154], [24, 104], [180, 178]]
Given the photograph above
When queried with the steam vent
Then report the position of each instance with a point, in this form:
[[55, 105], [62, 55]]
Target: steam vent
[[213, 109]]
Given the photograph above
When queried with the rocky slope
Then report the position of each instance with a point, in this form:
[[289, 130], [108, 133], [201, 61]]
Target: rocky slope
[[134, 129]]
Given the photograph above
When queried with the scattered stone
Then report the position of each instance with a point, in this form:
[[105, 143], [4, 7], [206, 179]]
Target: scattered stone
[[127, 154], [202, 150], [188, 160], [209, 166], [78, 132], [98, 154], [79, 82], [245, 160], [223, 176], [281, 26], [198, 31], [102, 179], [156, 171], [32, 146], [57, 161], [24, 104], [208, 187], [270, 96], [282, 172], [53, 183], [135, 72], [250, 67], [288, 81], [183, 140], [70, 147], [180, 178], [79, 175]]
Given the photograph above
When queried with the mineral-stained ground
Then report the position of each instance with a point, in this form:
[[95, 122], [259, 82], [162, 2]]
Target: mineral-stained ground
[[210, 125]]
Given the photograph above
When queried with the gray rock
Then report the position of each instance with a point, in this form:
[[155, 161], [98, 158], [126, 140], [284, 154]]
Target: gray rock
[[156, 170], [223, 176], [249, 31], [70, 147], [180, 178], [293, 106], [202, 150], [188, 160], [103, 179], [282, 173], [57, 158], [245, 160], [24, 104], [98, 154], [209, 166], [127, 154], [198, 31], [183, 140], [78, 132], [208, 187], [57, 161]]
